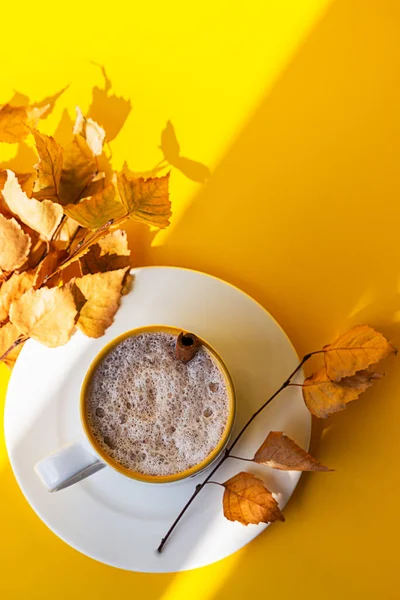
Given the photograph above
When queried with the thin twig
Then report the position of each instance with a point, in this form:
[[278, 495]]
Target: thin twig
[[20, 340], [241, 458], [73, 236], [226, 454]]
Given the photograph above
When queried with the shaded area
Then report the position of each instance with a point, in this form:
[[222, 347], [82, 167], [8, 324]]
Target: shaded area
[[108, 110], [170, 147], [302, 213]]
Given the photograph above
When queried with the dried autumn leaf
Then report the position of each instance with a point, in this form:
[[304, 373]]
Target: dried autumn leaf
[[111, 252], [97, 185], [47, 267], [14, 244], [49, 168], [91, 131], [14, 288], [96, 211], [146, 200], [46, 315], [9, 335], [43, 217], [26, 181], [247, 500], [279, 451], [68, 230], [16, 121], [324, 397], [79, 169], [127, 284], [85, 244], [354, 351], [103, 294]]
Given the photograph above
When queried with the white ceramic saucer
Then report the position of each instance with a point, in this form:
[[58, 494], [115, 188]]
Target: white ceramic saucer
[[118, 521]]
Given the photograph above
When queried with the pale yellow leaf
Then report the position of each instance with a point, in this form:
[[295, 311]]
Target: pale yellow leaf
[[102, 292], [42, 217], [354, 351], [146, 200], [46, 315], [324, 397], [68, 230], [14, 244], [12, 289], [91, 131]]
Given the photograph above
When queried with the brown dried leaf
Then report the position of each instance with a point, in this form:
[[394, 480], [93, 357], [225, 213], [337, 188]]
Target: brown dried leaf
[[43, 216], [354, 351], [79, 169], [16, 121], [146, 200], [324, 397], [47, 267], [97, 185], [110, 253], [96, 211], [84, 245], [247, 500], [14, 244], [103, 294], [49, 168], [12, 289], [9, 334], [279, 451], [26, 181], [91, 131], [46, 315]]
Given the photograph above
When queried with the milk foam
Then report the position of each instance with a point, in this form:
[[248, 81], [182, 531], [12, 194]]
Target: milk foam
[[152, 413]]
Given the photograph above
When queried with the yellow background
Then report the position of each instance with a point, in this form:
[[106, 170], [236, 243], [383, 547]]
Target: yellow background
[[295, 108]]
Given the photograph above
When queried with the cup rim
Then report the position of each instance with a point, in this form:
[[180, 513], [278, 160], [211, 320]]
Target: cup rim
[[134, 474]]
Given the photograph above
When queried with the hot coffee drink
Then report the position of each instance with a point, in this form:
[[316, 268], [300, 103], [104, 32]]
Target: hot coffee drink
[[154, 414]]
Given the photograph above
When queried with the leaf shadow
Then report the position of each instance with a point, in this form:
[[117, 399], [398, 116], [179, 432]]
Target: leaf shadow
[[192, 169], [23, 160], [107, 109]]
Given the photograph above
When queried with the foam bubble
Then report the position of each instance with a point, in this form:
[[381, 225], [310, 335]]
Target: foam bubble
[[152, 413]]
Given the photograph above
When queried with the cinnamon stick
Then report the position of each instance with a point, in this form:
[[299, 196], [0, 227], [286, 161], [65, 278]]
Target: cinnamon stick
[[187, 345]]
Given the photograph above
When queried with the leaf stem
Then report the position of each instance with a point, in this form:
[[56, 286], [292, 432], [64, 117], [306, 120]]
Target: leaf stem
[[227, 451], [20, 340], [241, 458]]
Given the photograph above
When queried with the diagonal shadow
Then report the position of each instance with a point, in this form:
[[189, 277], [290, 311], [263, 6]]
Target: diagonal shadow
[[323, 146]]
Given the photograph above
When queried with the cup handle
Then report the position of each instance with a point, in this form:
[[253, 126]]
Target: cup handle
[[68, 465]]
